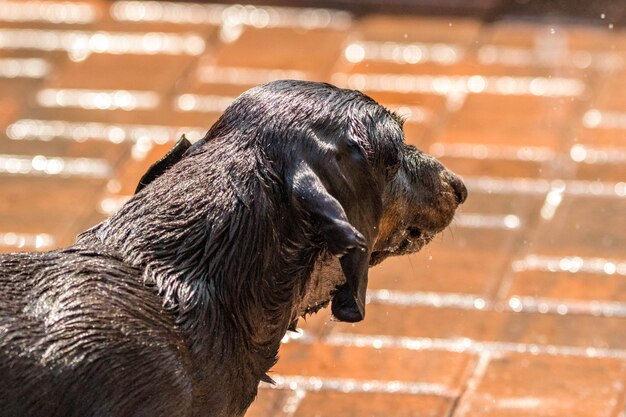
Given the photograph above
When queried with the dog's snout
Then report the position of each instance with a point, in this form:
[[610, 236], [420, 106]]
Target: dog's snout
[[460, 191]]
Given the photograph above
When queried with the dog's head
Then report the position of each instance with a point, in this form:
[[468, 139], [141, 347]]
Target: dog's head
[[346, 172], [419, 201]]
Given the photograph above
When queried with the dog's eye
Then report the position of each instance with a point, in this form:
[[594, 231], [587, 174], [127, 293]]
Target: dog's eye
[[354, 146], [356, 151]]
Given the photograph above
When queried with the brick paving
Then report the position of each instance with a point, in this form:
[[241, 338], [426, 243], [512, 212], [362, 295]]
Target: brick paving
[[518, 309]]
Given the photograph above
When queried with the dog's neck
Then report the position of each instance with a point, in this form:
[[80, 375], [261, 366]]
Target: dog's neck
[[221, 265], [199, 303]]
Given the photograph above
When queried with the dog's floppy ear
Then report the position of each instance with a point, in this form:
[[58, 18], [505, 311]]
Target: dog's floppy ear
[[159, 167], [333, 183]]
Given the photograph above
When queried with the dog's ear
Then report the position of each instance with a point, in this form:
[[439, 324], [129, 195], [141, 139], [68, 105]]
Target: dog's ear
[[333, 183], [159, 167]]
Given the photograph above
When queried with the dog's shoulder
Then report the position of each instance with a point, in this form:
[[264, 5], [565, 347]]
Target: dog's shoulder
[[60, 289], [87, 318]]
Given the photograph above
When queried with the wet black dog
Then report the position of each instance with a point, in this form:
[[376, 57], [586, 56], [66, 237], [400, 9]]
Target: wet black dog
[[176, 305]]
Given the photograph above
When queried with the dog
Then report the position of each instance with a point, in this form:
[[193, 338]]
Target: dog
[[176, 305]]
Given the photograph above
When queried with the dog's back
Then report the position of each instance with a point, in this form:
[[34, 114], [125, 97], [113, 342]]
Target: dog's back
[[80, 334]]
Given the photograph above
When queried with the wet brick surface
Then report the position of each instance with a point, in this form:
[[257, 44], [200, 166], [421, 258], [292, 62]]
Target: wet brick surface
[[518, 309]]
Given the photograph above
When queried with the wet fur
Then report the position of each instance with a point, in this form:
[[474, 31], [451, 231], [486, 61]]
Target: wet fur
[[176, 305]]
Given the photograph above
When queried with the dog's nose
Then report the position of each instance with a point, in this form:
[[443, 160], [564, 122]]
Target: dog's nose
[[460, 191]]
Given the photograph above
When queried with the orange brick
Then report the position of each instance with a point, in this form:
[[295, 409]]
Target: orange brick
[[24, 92], [331, 404], [562, 330], [408, 29], [605, 98], [468, 65], [46, 205], [164, 115], [505, 326], [495, 167], [600, 137], [539, 126], [312, 51], [533, 386], [530, 35], [602, 172], [132, 72], [523, 206], [366, 363], [416, 133], [113, 153], [9, 108], [574, 232], [569, 286], [205, 30], [267, 403], [461, 238], [439, 270], [428, 322]]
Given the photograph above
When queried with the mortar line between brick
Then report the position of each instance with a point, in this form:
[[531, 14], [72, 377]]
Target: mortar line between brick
[[463, 379], [620, 406], [502, 287], [292, 403], [470, 387], [517, 304], [351, 385], [466, 345]]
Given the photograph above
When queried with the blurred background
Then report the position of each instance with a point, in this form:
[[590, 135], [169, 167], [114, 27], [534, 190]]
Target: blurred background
[[518, 309]]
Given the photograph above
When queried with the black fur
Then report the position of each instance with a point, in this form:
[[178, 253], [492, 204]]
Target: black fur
[[176, 305]]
